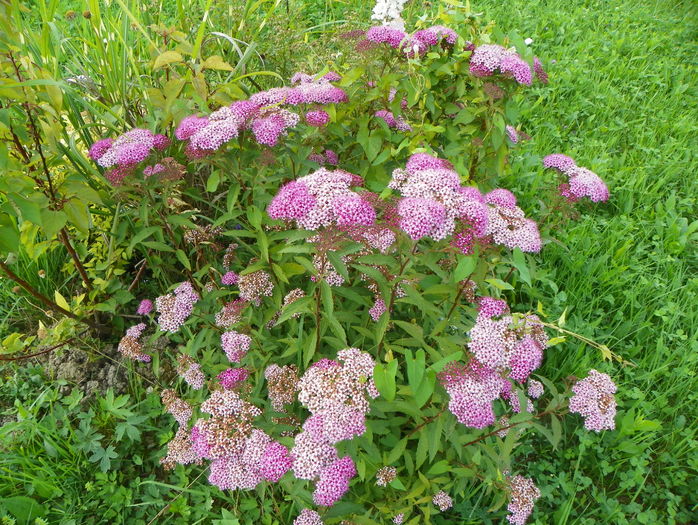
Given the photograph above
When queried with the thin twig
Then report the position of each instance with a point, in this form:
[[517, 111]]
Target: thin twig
[[73, 254], [507, 427], [143, 263], [427, 421], [393, 292]]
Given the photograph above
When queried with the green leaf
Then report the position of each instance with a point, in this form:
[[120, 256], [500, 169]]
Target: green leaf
[[309, 350], [82, 191], [498, 283], [441, 364], [434, 431], [338, 264], [373, 146], [415, 368], [60, 300], [182, 258], [384, 377], [425, 389], [142, 235], [465, 268], [23, 508], [166, 58], [78, 214], [29, 210], [213, 180], [9, 235], [396, 452], [521, 266], [302, 305], [216, 62], [255, 217], [263, 243], [422, 449], [464, 117], [159, 246], [327, 299], [439, 468]]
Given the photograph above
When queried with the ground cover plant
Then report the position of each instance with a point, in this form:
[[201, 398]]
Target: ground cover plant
[[329, 303]]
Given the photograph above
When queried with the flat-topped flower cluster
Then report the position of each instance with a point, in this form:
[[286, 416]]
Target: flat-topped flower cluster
[[581, 182]]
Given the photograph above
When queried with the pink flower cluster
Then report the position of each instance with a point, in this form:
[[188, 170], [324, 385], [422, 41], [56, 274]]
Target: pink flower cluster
[[535, 389], [306, 90], [191, 372], [335, 394], [582, 182], [392, 121], [327, 157], [232, 377], [511, 344], [378, 309], [442, 500], [229, 278], [507, 223], [433, 199], [505, 347], [126, 151], [235, 345], [322, 199], [523, 494], [175, 308], [412, 45], [308, 517], [130, 345], [254, 286], [595, 401], [472, 389], [178, 408], [145, 307], [262, 114], [317, 118], [231, 313], [513, 134], [540, 72], [241, 455], [488, 59]]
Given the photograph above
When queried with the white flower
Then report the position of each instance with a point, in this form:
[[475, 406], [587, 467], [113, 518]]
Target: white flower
[[528, 41], [387, 12]]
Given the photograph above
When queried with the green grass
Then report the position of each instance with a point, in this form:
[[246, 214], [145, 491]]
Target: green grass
[[619, 103]]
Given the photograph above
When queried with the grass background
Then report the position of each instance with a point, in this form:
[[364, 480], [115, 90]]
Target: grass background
[[621, 101]]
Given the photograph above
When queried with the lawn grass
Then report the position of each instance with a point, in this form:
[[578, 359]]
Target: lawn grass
[[619, 103]]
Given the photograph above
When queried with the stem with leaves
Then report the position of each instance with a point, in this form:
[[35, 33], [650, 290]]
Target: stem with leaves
[[51, 193]]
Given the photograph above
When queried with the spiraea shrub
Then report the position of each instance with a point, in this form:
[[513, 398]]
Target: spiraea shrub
[[335, 274]]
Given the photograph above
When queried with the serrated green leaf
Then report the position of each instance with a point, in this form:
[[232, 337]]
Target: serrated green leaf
[[166, 58]]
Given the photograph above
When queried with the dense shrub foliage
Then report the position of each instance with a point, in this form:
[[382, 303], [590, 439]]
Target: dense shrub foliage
[[321, 280]]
